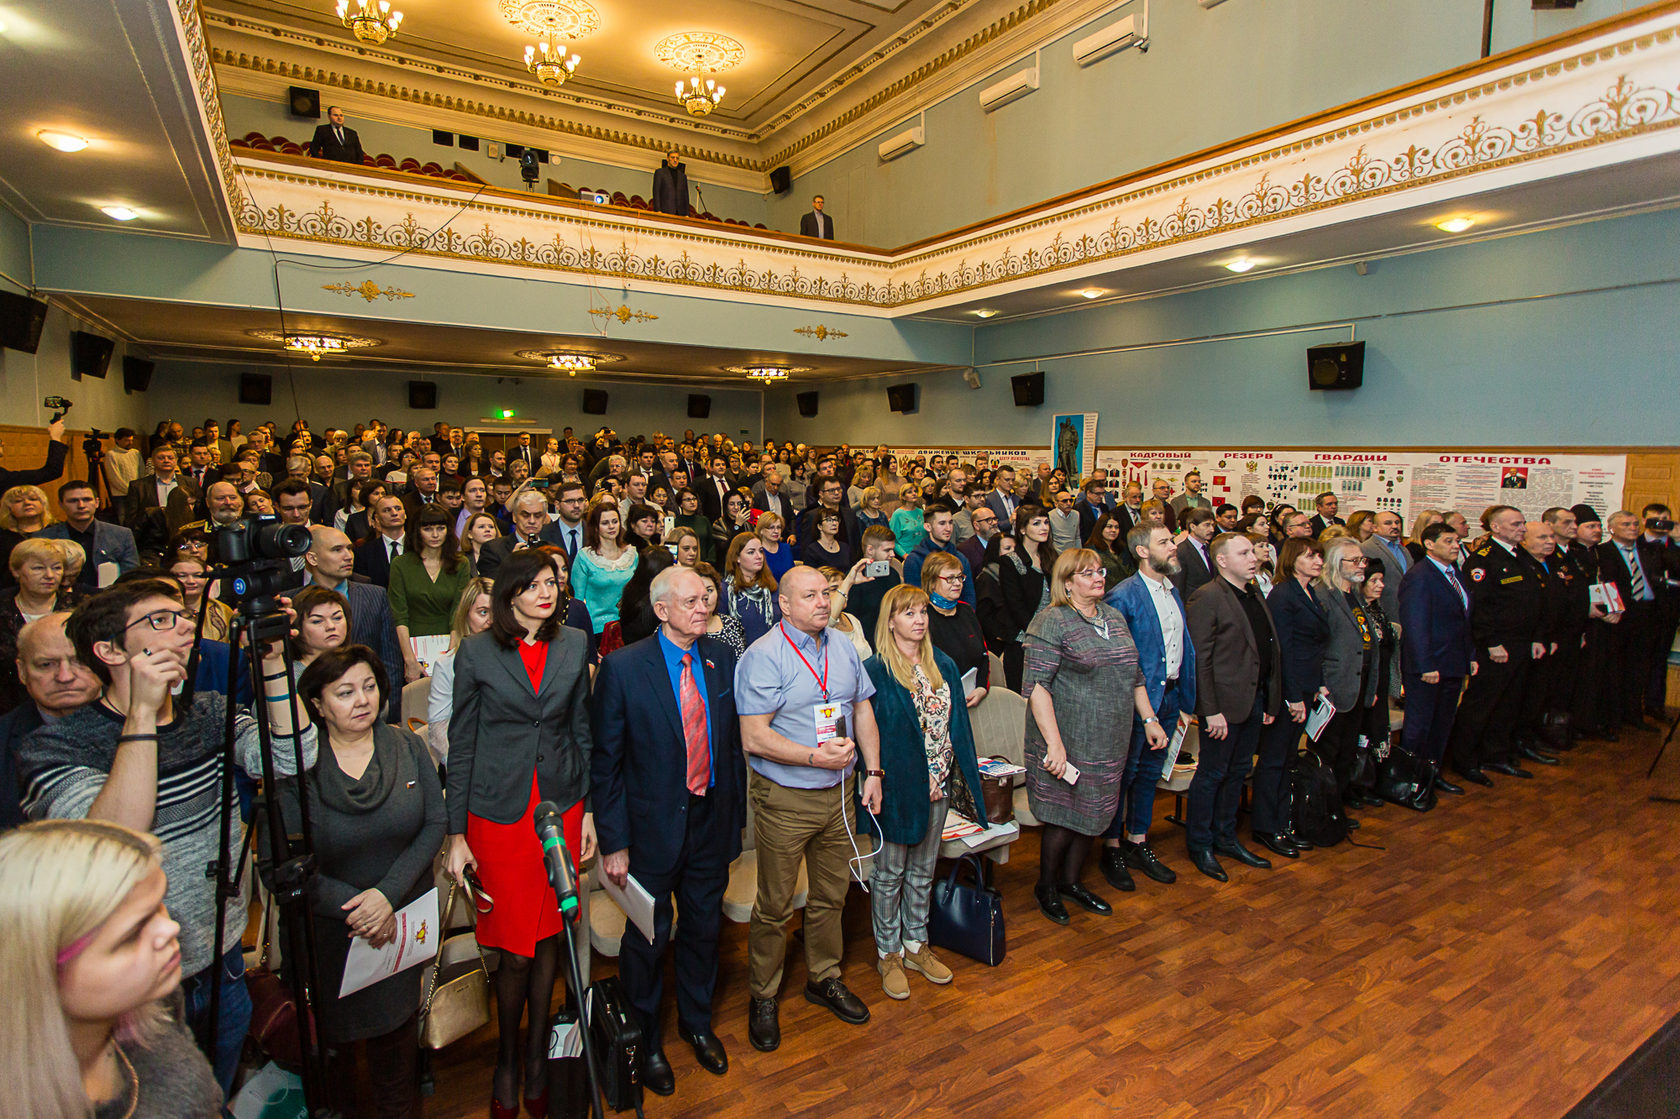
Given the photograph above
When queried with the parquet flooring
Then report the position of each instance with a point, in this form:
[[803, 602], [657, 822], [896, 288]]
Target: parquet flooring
[[1499, 958]]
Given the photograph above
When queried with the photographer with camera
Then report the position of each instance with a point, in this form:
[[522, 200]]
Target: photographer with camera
[[137, 748], [58, 449]]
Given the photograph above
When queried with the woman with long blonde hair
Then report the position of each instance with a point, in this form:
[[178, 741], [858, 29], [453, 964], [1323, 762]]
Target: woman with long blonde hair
[[89, 959], [473, 614]]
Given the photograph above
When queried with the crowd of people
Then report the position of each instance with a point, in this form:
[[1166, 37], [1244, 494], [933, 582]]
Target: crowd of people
[[662, 635]]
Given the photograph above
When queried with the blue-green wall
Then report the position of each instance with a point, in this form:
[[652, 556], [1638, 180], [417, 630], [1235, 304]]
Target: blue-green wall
[[1558, 338]]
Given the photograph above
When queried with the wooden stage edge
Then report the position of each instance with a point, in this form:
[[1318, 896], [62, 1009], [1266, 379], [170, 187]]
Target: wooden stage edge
[[1501, 957]]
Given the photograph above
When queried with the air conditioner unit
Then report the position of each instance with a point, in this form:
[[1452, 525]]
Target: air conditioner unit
[[1129, 32], [907, 141], [1012, 88]]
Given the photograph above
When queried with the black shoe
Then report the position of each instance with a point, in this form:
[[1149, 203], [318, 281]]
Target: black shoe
[[1140, 856], [1507, 769], [657, 1074], [1050, 904], [1372, 800], [1114, 870], [1446, 786], [1352, 824], [1534, 755], [1208, 865], [1278, 842], [833, 994], [763, 1030], [1242, 854], [708, 1050], [1475, 776], [1085, 899], [1300, 844]]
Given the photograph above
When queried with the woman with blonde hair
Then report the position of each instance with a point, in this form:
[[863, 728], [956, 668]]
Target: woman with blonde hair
[[1414, 542], [906, 521], [472, 615], [927, 752], [90, 959], [778, 553], [840, 621], [24, 510]]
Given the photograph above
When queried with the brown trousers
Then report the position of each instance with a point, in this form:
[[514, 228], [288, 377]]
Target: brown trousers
[[792, 825]]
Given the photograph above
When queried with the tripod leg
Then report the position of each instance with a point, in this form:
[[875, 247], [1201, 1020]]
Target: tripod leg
[[1667, 738]]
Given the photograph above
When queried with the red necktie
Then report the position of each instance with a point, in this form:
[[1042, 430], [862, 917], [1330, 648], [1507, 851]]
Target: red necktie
[[694, 730]]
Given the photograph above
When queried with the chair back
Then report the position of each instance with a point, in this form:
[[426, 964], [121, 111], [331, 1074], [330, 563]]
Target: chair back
[[1000, 725]]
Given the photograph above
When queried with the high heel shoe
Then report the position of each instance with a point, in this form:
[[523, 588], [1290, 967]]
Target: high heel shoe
[[537, 1106], [498, 1110]]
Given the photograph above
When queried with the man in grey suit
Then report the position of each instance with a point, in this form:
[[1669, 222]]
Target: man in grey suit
[[531, 529], [101, 541], [1385, 545], [1002, 499], [329, 562]]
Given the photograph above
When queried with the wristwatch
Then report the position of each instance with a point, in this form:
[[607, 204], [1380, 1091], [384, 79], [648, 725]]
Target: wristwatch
[[875, 773], [1151, 719]]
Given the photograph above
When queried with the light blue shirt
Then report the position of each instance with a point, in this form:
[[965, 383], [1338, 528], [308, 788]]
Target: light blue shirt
[[772, 680], [673, 665]]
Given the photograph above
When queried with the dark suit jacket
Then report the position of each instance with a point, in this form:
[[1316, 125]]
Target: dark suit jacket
[[1319, 524], [1344, 656], [111, 544], [13, 729], [1302, 632], [371, 624], [705, 488], [490, 556], [1193, 570], [1613, 567], [994, 502], [324, 145], [373, 560], [808, 226], [1227, 663], [142, 499], [639, 763], [1434, 624], [501, 729], [530, 456]]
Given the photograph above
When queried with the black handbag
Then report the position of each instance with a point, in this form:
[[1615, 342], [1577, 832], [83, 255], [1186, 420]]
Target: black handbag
[[568, 1077], [967, 919], [617, 1040], [1404, 778]]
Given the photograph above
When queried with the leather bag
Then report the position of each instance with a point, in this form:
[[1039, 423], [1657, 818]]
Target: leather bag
[[457, 992], [1403, 778], [617, 1039], [999, 795], [968, 919], [274, 1012]]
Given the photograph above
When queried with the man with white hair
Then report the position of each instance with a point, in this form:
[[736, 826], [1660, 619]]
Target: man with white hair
[[531, 528]]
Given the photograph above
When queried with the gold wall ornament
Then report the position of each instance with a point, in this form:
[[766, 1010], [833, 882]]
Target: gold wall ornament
[[568, 19], [623, 313], [369, 291], [820, 332]]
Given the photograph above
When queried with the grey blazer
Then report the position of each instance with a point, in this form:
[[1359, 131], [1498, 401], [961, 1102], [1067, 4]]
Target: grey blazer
[[501, 730], [111, 544], [1390, 600], [1344, 653]]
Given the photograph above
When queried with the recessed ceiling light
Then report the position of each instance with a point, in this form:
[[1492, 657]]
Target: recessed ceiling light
[[1455, 225], [1092, 293], [120, 213], [63, 141], [984, 313], [1241, 264]]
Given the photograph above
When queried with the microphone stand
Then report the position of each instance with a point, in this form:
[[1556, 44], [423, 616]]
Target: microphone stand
[[575, 977]]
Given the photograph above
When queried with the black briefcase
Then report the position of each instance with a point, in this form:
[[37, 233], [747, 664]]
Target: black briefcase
[[967, 919], [568, 1077], [617, 1040]]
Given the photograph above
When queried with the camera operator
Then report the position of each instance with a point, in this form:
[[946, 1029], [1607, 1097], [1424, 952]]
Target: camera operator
[[137, 749], [58, 448]]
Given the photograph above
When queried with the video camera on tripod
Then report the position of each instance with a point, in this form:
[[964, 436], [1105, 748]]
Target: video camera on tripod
[[252, 556]]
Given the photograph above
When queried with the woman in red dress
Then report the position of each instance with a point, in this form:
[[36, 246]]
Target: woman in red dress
[[520, 734]]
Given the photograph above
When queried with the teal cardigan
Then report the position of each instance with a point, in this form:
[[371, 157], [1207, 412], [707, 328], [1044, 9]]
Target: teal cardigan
[[904, 792]]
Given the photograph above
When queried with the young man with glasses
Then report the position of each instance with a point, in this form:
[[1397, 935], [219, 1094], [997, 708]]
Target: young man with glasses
[[139, 757]]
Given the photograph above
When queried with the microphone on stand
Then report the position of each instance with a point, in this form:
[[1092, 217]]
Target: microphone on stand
[[555, 857]]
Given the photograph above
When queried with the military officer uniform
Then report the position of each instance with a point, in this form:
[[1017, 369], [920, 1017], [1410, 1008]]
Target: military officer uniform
[[1507, 603]]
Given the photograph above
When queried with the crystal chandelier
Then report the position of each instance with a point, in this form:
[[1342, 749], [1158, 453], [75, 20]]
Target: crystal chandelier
[[548, 60], [695, 54], [571, 362], [767, 373], [316, 344], [372, 21], [699, 96]]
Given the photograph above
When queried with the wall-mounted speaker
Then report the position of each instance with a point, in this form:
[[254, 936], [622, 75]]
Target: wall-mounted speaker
[[781, 180], [808, 403], [594, 402], [443, 139], [90, 355], [1028, 389], [1336, 367], [304, 102], [256, 388], [21, 320], [422, 395], [901, 398], [699, 405], [137, 374]]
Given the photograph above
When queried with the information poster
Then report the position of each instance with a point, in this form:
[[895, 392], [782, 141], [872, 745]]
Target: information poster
[[1073, 443]]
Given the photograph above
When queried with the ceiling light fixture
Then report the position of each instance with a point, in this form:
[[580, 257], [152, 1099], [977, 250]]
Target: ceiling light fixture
[[570, 20], [61, 141], [697, 53], [571, 362], [1455, 225], [549, 61], [1092, 293], [984, 313], [119, 213], [315, 344], [1241, 264], [767, 372], [371, 21]]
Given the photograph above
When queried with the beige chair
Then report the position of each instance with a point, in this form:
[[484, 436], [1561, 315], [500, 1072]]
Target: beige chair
[[415, 697], [742, 891], [994, 666]]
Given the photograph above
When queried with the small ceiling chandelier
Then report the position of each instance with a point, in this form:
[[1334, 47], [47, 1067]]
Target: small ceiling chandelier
[[696, 54], [316, 344], [699, 96], [767, 372], [549, 60], [372, 21], [571, 362]]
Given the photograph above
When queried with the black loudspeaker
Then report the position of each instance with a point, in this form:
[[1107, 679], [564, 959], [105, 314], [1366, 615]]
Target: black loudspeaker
[[1336, 367], [90, 355], [137, 374], [422, 395], [21, 320], [594, 402], [1028, 389], [304, 102], [808, 403], [699, 406], [443, 139], [781, 180], [256, 388], [468, 143], [901, 398]]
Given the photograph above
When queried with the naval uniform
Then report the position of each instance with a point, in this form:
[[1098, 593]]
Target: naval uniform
[[1507, 602]]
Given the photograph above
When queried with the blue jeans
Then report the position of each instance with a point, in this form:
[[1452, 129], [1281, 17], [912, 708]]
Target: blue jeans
[[1143, 771], [234, 1014]]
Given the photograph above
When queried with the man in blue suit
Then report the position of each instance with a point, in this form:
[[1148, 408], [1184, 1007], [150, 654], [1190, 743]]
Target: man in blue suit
[[1435, 648], [668, 783], [1154, 613]]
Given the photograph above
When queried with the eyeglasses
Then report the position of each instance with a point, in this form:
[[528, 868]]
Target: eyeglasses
[[954, 577], [163, 620]]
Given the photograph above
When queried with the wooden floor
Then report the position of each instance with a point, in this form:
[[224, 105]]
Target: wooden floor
[[1499, 958]]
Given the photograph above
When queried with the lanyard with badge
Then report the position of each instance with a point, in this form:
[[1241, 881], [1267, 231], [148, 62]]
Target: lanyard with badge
[[830, 722]]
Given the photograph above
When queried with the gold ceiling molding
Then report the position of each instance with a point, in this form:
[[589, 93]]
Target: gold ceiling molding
[[569, 19], [368, 290], [700, 52], [622, 312], [190, 21], [820, 332]]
